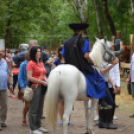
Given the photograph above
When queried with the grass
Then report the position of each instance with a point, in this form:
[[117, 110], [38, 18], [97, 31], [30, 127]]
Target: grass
[[124, 100]]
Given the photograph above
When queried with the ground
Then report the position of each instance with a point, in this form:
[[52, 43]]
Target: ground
[[124, 123]]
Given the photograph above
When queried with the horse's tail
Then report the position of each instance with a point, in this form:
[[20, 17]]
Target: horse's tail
[[52, 98]]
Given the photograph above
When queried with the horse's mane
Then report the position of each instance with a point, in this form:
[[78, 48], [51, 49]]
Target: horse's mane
[[96, 54]]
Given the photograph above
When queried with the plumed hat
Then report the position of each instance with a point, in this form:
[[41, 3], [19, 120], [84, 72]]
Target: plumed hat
[[78, 26]]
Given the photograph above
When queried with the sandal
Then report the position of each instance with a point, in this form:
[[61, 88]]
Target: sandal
[[13, 96], [24, 123]]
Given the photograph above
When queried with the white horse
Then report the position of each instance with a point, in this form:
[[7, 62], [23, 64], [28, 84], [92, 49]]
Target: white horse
[[67, 82]]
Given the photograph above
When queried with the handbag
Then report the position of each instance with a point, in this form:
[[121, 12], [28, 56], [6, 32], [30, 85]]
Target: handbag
[[15, 71], [28, 93]]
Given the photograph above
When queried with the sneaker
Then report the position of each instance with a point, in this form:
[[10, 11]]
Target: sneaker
[[70, 124], [41, 129], [3, 125], [24, 123], [61, 123], [115, 118], [96, 118], [35, 132]]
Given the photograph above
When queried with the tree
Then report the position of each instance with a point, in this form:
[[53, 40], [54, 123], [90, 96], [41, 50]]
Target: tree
[[97, 3], [108, 16], [132, 7]]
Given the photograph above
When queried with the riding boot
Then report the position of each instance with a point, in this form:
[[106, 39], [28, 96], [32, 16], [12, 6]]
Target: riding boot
[[102, 118], [109, 119], [103, 104]]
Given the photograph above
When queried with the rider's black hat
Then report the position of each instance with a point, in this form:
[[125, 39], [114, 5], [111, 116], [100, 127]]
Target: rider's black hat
[[78, 26]]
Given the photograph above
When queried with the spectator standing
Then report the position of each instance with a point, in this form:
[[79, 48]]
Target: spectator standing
[[115, 76], [35, 74], [48, 66], [130, 79], [22, 81], [11, 54], [4, 79], [106, 114]]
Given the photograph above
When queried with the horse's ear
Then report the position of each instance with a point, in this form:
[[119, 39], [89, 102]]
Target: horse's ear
[[105, 39], [97, 39]]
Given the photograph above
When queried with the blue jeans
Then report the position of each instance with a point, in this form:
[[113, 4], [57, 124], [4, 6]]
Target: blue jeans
[[15, 80]]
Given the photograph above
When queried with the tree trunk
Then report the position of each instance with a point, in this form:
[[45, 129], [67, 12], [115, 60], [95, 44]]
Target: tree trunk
[[132, 7], [8, 38], [108, 16], [83, 18], [98, 19], [80, 11]]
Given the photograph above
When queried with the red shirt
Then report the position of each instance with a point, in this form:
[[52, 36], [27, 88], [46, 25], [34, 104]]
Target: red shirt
[[37, 70]]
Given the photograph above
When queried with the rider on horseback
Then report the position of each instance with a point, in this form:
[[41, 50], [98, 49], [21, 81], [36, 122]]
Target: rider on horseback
[[76, 52]]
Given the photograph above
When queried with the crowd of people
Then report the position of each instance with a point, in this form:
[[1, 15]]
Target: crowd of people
[[32, 68]]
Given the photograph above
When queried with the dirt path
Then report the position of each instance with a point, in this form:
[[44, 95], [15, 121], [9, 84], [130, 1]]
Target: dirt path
[[124, 123]]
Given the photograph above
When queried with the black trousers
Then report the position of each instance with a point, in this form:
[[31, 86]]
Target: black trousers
[[113, 96]]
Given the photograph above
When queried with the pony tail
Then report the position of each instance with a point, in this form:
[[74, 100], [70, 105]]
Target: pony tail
[[52, 98]]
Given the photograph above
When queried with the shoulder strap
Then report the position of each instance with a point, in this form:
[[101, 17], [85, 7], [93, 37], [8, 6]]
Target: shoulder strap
[[40, 75]]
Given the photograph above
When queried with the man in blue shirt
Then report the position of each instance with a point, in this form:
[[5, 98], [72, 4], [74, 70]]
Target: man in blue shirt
[[76, 52], [4, 82]]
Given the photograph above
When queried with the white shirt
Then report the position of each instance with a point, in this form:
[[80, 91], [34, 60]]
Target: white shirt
[[115, 75], [132, 68]]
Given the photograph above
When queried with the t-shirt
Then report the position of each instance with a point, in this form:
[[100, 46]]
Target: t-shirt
[[37, 70], [3, 74], [106, 75], [57, 62]]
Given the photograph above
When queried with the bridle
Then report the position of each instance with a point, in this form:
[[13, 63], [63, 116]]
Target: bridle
[[111, 57], [110, 54]]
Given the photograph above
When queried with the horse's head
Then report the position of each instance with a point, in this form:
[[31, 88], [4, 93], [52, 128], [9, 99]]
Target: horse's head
[[107, 53]]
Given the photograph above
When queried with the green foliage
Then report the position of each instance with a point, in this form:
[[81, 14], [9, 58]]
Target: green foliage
[[47, 20]]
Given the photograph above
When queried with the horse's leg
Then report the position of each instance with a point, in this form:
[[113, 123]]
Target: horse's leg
[[67, 112], [86, 114], [92, 112], [54, 129]]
